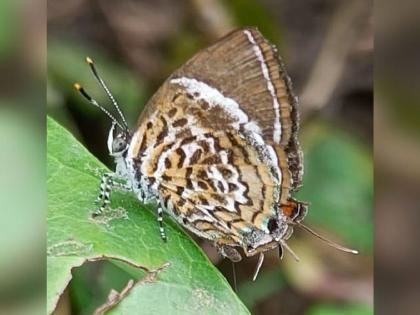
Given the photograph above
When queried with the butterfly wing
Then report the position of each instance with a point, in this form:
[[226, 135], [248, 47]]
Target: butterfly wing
[[235, 99], [244, 66], [218, 183]]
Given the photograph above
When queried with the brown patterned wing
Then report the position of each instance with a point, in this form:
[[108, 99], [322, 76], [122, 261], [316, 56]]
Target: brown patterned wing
[[244, 66], [216, 187], [236, 86], [219, 183]]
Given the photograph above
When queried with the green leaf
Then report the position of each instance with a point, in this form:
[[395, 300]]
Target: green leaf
[[190, 285]]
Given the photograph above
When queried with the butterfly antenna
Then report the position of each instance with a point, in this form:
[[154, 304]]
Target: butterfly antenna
[[82, 91], [108, 92], [258, 267], [329, 242], [291, 251]]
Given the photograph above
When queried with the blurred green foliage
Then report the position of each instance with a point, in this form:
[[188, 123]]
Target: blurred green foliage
[[22, 179], [338, 184], [183, 45], [251, 12], [267, 283], [8, 29], [66, 65], [22, 237], [331, 309]]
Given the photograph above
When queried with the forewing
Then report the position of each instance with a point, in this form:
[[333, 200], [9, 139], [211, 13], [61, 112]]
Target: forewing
[[245, 67]]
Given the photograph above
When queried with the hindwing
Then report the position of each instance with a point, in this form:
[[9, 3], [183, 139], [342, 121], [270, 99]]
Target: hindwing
[[218, 183], [220, 186]]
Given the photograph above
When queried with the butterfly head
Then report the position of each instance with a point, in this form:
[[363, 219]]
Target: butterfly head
[[276, 229], [261, 240], [118, 142]]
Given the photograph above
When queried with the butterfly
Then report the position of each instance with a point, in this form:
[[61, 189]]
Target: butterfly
[[217, 148]]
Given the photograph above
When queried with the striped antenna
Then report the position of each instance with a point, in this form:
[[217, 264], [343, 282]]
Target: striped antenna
[[108, 92], [82, 91]]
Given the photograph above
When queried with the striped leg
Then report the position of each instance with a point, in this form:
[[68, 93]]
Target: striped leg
[[108, 183], [161, 228], [104, 194]]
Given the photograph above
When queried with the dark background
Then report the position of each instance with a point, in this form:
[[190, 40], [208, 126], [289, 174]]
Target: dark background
[[327, 47]]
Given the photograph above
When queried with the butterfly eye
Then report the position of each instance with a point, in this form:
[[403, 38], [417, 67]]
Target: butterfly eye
[[119, 144], [272, 225]]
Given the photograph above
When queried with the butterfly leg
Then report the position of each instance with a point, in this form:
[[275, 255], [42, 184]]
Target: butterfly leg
[[109, 182], [160, 221], [104, 194]]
